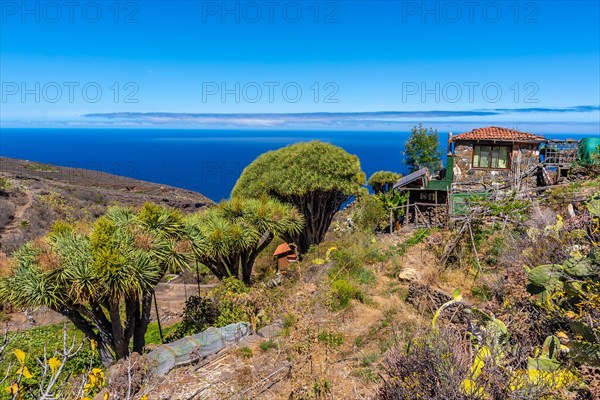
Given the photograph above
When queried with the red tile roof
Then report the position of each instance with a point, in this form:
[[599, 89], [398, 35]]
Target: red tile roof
[[283, 248], [494, 133]]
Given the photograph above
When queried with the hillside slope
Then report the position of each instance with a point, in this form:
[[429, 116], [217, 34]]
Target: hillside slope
[[34, 195]]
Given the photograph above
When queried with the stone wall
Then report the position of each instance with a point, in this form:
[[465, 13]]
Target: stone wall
[[523, 157]]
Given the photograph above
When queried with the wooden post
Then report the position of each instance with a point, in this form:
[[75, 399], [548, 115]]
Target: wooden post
[[449, 203], [474, 247], [417, 212], [391, 223], [158, 317], [197, 277], [436, 210]]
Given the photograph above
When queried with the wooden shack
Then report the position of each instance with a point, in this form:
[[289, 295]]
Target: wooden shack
[[284, 254]]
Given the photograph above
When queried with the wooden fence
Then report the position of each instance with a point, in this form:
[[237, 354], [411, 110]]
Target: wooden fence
[[422, 215]]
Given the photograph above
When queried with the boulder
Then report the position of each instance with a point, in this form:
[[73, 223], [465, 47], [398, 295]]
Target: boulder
[[409, 275], [429, 299]]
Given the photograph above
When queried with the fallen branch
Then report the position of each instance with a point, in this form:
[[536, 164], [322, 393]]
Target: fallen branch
[[288, 366]]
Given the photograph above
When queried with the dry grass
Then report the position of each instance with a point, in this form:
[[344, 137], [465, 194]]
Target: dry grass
[[339, 354]]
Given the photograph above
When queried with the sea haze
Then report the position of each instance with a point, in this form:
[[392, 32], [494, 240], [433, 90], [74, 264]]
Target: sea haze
[[206, 161]]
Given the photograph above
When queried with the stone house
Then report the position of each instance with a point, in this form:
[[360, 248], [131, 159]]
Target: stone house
[[478, 162], [493, 157]]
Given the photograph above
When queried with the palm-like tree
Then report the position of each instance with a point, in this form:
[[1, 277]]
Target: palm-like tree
[[227, 238], [102, 278], [315, 177]]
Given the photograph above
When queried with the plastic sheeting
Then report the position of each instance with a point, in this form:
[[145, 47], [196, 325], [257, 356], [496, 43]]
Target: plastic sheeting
[[587, 148], [199, 346]]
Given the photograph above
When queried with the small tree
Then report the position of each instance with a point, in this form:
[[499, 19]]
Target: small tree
[[422, 147], [227, 238], [369, 212], [102, 277], [315, 177], [383, 181], [393, 202]]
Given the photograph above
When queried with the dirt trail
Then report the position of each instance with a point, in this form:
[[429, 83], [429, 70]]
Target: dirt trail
[[19, 214]]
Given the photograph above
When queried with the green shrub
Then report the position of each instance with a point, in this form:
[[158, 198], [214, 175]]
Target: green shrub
[[224, 305], [366, 374], [359, 341], [417, 237], [5, 183], [36, 342], [246, 352], [482, 292], [40, 167], [321, 389], [289, 320], [199, 314], [229, 299], [268, 344], [369, 359], [372, 256], [347, 260], [364, 276], [369, 214], [349, 263], [342, 292], [348, 272], [331, 338], [493, 255]]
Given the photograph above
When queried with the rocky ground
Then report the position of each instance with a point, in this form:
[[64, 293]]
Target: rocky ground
[[300, 362], [34, 195]]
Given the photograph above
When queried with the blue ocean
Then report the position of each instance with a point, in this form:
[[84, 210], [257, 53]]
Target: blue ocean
[[205, 161]]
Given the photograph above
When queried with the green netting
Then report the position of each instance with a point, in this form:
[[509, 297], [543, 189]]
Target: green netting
[[204, 344], [589, 151]]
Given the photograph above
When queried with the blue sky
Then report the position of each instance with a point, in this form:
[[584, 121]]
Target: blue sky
[[528, 64]]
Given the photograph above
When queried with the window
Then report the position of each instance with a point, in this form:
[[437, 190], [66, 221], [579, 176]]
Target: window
[[427, 196], [490, 156]]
